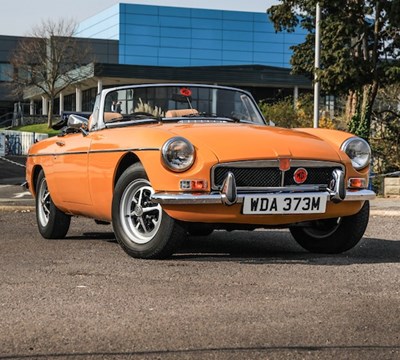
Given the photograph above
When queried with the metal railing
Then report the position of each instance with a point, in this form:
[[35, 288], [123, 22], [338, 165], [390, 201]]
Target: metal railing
[[19, 142]]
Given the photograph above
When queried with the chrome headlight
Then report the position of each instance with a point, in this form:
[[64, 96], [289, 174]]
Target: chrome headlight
[[358, 151], [178, 154]]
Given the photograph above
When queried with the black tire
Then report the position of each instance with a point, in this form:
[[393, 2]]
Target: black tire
[[52, 222], [333, 236], [141, 227]]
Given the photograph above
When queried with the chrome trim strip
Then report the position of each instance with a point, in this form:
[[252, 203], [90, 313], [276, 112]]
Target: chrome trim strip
[[359, 195], [282, 178], [187, 198], [59, 154], [275, 162], [294, 188], [123, 150], [93, 152], [218, 198]]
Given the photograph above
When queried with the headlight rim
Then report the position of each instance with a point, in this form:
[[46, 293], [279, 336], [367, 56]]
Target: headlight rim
[[168, 164], [345, 147]]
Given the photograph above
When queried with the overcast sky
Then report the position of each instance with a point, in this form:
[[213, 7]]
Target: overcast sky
[[18, 17]]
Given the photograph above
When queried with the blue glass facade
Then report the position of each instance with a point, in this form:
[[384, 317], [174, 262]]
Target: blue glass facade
[[173, 36]]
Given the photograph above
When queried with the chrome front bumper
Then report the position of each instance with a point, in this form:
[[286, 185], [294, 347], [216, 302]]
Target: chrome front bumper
[[219, 198], [228, 195]]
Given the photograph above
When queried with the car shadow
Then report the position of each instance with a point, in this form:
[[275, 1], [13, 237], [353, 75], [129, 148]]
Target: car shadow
[[271, 247], [267, 247]]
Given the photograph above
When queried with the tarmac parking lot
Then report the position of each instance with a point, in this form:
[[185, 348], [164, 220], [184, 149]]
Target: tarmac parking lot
[[237, 295], [230, 295]]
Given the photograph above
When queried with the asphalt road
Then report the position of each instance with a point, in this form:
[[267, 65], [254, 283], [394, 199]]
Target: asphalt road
[[12, 170], [235, 295], [232, 295]]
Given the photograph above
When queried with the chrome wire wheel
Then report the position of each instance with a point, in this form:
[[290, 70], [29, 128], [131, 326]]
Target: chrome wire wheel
[[140, 218], [44, 203], [141, 227]]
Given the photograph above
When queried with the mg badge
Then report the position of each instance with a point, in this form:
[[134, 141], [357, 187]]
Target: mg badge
[[284, 164], [300, 175]]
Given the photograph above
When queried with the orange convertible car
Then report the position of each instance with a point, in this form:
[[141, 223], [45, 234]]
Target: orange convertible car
[[161, 161]]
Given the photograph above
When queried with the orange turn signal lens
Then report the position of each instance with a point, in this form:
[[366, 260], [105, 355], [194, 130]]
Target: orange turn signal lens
[[193, 185], [357, 183]]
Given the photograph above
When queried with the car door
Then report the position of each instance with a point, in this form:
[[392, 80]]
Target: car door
[[71, 170]]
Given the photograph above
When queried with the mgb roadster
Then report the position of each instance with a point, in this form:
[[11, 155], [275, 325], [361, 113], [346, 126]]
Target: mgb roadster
[[161, 161]]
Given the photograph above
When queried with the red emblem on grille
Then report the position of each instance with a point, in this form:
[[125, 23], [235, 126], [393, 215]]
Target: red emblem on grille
[[284, 164], [300, 175]]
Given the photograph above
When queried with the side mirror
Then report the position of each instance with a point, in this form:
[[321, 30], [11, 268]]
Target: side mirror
[[78, 122]]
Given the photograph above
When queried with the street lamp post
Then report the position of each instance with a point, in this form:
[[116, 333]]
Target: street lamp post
[[316, 64]]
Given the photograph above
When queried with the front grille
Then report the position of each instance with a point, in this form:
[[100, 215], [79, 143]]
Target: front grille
[[271, 176], [249, 177], [318, 176]]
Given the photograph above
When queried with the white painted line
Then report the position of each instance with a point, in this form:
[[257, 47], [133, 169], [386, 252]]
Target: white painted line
[[21, 195]]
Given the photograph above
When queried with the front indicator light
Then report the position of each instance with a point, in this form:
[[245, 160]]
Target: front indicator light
[[193, 185], [357, 183]]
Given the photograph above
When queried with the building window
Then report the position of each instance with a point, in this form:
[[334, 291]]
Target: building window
[[88, 98], [6, 72], [70, 102]]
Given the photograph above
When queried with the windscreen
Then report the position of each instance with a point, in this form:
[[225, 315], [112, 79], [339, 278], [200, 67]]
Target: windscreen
[[177, 102]]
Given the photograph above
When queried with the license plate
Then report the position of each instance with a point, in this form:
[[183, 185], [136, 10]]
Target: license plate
[[285, 204]]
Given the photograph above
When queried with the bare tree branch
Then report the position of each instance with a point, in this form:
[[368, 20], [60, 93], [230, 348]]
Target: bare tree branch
[[46, 60]]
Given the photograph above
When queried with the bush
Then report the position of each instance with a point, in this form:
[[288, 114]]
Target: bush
[[285, 113]]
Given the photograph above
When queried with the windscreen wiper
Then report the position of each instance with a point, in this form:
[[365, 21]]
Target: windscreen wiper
[[133, 119], [214, 116]]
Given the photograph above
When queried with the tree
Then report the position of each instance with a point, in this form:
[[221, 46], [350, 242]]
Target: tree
[[46, 60], [385, 135], [360, 49]]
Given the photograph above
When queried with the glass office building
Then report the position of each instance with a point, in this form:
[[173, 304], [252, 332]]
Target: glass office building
[[174, 36], [135, 43]]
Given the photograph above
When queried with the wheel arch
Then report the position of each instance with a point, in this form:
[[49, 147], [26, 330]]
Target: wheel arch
[[35, 174], [127, 160]]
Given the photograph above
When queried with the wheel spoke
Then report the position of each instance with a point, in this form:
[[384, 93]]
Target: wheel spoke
[[140, 217], [143, 224], [150, 208], [131, 214], [45, 196], [140, 196], [45, 202], [46, 210]]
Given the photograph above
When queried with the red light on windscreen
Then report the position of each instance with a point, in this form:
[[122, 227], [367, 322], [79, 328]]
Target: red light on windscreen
[[186, 92]]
